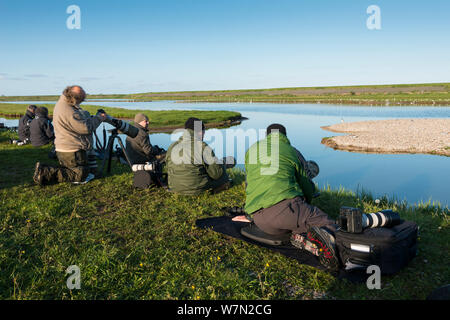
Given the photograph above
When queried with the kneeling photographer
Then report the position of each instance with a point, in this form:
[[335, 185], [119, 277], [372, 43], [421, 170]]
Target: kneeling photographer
[[139, 149], [72, 126]]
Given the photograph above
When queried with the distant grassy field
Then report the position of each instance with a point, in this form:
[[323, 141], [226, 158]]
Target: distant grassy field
[[396, 94], [143, 244], [158, 119]]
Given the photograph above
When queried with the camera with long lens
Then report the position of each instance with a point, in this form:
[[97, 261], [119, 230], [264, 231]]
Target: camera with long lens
[[121, 126], [352, 220], [148, 166]]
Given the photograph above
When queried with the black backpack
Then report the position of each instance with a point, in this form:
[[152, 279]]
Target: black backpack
[[391, 249]]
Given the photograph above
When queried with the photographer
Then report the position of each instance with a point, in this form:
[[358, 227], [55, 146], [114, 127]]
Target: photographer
[[72, 127], [191, 164], [41, 128], [139, 149], [281, 202], [24, 126]]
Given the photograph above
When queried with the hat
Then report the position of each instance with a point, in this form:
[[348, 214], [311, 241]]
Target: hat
[[41, 111], [32, 108], [190, 123], [140, 117], [274, 127]]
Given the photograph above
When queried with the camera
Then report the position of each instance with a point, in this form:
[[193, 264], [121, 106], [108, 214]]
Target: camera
[[148, 166], [121, 126], [352, 220]]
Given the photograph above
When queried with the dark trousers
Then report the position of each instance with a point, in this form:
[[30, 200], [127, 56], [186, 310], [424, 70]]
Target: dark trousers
[[291, 215], [74, 167]]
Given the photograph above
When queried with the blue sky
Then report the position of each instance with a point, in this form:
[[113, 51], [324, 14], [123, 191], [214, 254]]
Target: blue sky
[[170, 45]]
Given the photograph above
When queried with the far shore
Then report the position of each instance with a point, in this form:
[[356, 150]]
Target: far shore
[[426, 136], [426, 94]]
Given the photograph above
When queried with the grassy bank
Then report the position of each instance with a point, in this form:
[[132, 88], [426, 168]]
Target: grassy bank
[[159, 120], [143, 244], [397, 94]]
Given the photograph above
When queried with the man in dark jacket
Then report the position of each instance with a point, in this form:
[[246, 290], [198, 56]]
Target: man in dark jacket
[[24, 125], [139, 149], [192, 167], [41, 128]]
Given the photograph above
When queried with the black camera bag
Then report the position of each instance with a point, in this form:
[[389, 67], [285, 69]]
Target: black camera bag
[[389, 248], [143, 179]]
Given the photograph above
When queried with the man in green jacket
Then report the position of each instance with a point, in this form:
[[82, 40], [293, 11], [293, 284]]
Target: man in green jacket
[[279, 193], [191, 164]]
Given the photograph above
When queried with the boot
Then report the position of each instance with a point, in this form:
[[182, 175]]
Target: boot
[[38, 176], [325, 242], [42, 175]]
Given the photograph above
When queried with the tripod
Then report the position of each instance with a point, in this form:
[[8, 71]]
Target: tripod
[[109, 149]]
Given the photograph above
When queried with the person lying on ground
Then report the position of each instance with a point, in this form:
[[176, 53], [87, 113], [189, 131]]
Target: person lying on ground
[[72, 129], [139, 149], [279, 201], [41, 128], [192, 167], [24, 125]]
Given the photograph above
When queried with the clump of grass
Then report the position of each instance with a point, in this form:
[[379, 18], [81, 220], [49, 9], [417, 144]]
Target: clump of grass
[[143, 244]]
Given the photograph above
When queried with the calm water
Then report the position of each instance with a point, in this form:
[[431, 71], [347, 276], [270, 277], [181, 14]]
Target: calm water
[[410, 177]]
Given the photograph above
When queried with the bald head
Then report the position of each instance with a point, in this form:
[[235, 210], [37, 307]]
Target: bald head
[[74, 94]]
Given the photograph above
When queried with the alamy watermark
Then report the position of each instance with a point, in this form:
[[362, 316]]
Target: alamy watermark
[[74, 280], [374, 20], [193, 151], [74, 20], [373, 281]]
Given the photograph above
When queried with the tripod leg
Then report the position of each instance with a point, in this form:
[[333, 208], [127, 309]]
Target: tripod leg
[[106, 155], [124, 151], [110, 152]]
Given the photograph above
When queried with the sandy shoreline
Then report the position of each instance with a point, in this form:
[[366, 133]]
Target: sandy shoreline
[[427, 136]]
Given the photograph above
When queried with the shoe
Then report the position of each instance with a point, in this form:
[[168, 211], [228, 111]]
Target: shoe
[[325, 243], [89, 177], [301, 242], [38, 176]]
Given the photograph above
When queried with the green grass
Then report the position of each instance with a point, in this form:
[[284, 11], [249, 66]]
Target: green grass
[[158, 119], [395, 94], [143, 244]]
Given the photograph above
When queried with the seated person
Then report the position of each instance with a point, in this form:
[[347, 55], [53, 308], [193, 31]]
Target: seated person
[[192, 167], [24, 126], [41, 128], [139, 149], [279, 200]]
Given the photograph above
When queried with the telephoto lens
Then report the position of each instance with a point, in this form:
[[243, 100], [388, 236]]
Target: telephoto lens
[[384, 218], [148, 166], [354, 221], [121, 126]]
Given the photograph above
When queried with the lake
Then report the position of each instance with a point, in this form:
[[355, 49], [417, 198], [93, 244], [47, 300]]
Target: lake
[[410, 177]]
